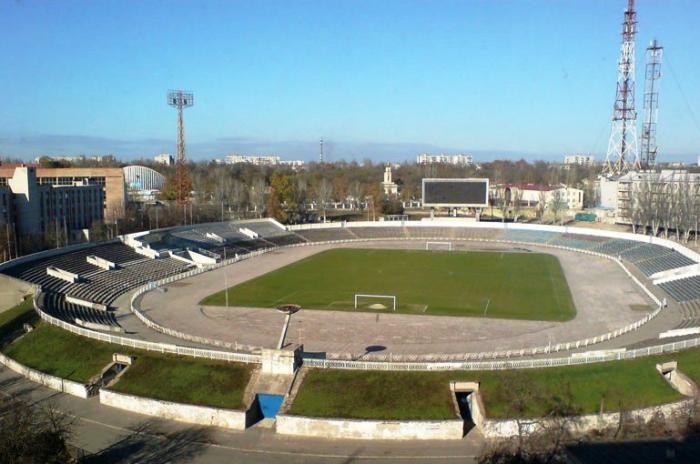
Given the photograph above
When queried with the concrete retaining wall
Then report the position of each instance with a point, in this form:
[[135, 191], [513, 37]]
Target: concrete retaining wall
[[370, 429], [579, 425], [50, 381], [201, 415]]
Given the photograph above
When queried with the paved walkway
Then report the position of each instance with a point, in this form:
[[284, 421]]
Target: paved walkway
[[115, 436], [604, 296], [12, 291]]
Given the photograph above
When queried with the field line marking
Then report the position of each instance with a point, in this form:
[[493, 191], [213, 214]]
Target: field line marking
[[488, 301]]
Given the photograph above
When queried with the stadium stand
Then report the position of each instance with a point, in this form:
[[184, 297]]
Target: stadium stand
[[104, 287], [644, 252], [614, 247], [324, 235], [528, 236], [75, 262], [665, 262], [55, 305], [683, 290]]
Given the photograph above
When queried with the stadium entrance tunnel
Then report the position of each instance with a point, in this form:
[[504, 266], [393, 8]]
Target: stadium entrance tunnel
[[466, 398], [269, 404]]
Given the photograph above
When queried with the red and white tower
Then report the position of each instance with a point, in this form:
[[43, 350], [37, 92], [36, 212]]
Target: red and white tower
[[623, 154]]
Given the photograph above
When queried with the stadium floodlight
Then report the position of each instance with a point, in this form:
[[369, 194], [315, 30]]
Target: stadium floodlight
[[370, 295], [447, 245]]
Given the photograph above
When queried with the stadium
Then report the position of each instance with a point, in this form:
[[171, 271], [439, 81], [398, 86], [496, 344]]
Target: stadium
[[399, 329]]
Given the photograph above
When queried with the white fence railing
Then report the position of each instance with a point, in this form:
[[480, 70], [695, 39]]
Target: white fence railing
[[143, 344]]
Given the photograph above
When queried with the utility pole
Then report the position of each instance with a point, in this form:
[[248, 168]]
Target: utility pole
[[622, 152]]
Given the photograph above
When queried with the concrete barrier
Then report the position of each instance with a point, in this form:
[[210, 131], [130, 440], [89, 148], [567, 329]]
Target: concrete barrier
[[189, 413], [580, 425], [85, 303], [50, 381], [370, 429]]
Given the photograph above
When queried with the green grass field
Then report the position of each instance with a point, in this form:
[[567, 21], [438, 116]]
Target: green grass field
[[492, 284], [167, 377], [426, 395]]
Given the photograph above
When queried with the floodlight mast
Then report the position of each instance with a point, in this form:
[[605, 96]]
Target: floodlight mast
[[181, 99]]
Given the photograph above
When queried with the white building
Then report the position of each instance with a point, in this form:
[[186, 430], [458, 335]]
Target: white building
[[78, 158], [262, 160], [388, 186], [666, 181], [143, 183], [581, 160], [532, 194], [165, 159], [457, 160]]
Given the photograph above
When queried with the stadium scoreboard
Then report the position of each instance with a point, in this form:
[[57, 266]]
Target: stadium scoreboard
[[456, 193]]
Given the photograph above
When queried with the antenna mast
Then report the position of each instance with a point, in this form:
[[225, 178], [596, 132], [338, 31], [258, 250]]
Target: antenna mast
[[180, 99], [651, 104], [320, 152], [622, 148]]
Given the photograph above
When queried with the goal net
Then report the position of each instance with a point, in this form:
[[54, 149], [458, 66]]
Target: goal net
[[382, 301], [438, 246]]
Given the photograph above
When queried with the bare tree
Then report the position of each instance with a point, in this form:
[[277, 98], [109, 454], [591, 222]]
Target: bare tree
[[324, 194], [541, 205], [516, 200], [557, 204], [257, 195]]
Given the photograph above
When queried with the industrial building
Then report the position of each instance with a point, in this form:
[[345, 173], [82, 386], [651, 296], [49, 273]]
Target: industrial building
[[109, 180], [31, 206]]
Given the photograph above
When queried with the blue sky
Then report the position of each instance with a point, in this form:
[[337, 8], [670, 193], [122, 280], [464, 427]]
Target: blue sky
[[378, 79]]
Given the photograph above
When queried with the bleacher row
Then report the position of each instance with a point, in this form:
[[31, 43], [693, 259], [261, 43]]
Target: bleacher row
[[54, 304], [97, 285], [76, 262], [104, 287]]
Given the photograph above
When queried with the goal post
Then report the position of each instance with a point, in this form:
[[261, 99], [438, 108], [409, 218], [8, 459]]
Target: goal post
[[359, 296], [438, 245]]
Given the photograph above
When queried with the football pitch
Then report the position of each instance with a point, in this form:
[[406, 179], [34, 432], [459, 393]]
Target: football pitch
[[508, 285]]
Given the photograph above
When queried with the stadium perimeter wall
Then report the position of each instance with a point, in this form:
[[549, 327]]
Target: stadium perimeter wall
[[189, 413], [369, 429], [50, 381]]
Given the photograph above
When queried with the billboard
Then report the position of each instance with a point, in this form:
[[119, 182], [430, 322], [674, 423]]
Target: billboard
[[456, 193]]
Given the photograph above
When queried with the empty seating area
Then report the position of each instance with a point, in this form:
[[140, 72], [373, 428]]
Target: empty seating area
[[683, 290], [264, 228], [615, 247], [665, 262], [580, 242], [285, 239], [377, 232], [529, 236], [644, 252], [75, 262], [106, 286], [55, 305], [324, 235]]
